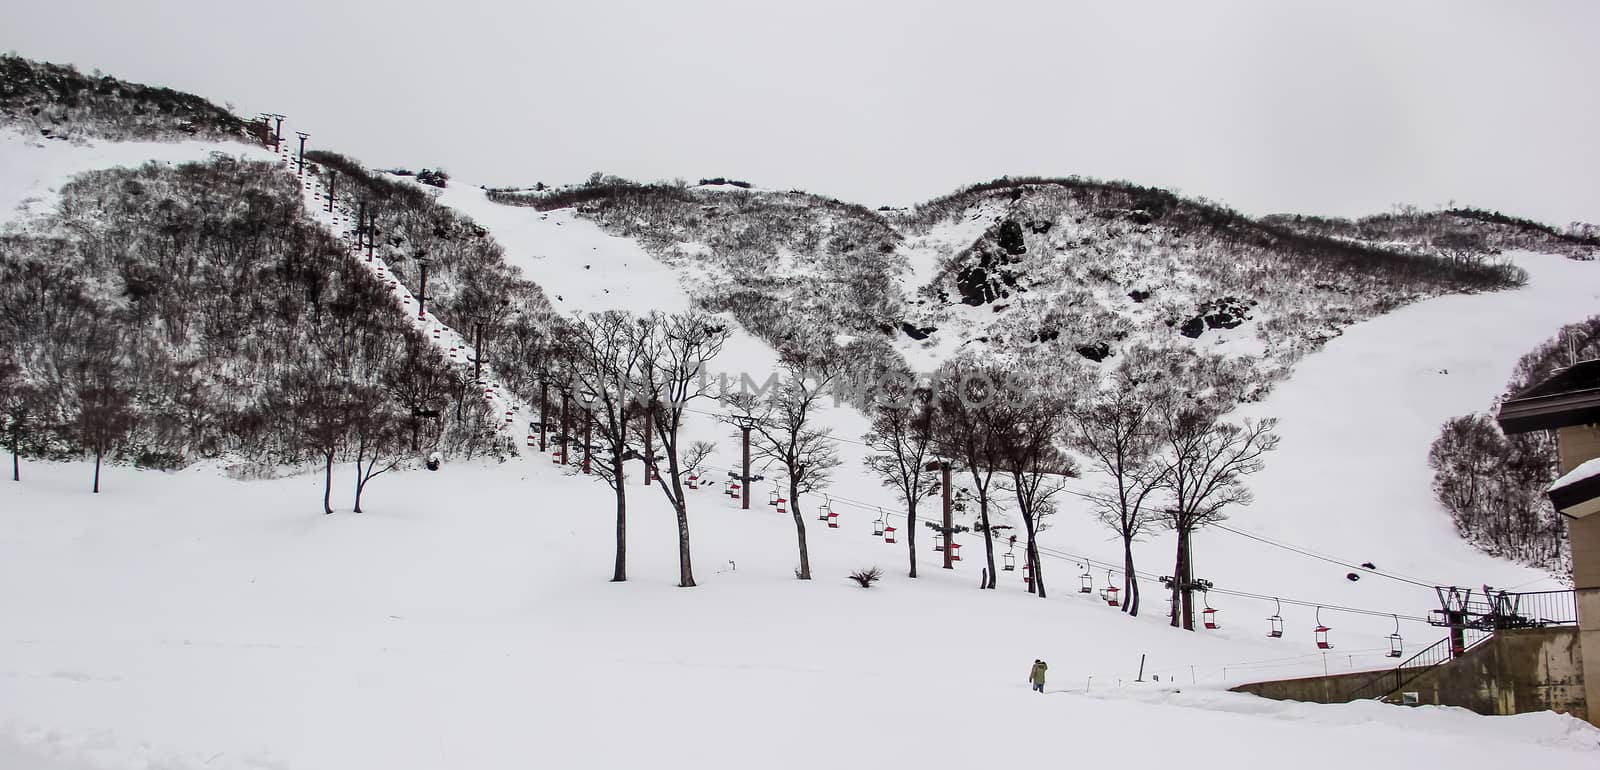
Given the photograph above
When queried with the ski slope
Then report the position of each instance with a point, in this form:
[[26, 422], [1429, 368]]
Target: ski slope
[[189, 620]]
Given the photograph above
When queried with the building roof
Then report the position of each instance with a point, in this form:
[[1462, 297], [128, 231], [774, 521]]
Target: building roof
[[1569, 396], [1575, 493]]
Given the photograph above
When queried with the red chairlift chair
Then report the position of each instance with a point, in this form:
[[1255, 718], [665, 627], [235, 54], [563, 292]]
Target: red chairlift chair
[[1111, 593], [888, 534], [1321, 632]]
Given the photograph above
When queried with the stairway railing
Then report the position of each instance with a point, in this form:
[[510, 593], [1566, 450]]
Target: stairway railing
[[1388, 682]]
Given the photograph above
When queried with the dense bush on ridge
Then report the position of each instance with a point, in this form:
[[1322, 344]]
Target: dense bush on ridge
[[59, 102]]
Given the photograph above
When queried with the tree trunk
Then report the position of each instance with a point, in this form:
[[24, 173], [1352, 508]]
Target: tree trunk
[[97, 470], [799, 529], [668, 433], [911, 536], [16, 468], [1180, 578], [361, 480], [1037, 585], [327, 485], [619, 572], [544, 411], [685, 567], [988, 539], [1188, 580], [649, 451], [1130, 585]]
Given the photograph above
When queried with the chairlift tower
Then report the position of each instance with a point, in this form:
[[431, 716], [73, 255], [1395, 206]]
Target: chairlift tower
[[301, 170], [745, 425], [943, 466]]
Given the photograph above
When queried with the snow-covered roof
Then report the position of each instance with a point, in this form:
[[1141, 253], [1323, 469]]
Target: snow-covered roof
[[1577, 492], [1584, 471]]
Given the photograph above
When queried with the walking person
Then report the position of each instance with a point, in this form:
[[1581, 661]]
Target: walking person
[[1036, 675]]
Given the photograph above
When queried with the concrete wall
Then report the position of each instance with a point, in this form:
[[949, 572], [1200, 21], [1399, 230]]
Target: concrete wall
[[1335, 688], [1514, 672], [1578, 444]]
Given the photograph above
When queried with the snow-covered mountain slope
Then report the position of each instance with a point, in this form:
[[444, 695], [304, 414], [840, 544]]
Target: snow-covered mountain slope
[[1081, 268], [190, 620], [579, 266], [1364, 408], [1073, 268]]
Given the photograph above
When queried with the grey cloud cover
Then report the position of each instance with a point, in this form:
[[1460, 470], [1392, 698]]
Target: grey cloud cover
[[1336, 108]]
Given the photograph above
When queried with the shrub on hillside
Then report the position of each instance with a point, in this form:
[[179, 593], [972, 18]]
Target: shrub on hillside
[[866, 577], [60, 102], [193, 290], [1494, 485]]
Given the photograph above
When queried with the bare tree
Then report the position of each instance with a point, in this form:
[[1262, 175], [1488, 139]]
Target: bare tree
[[321, 413], [1116, 430], [609, 359], [1026, 428], [1206, 461], [421, 384], [680, 347], [902, 442], [787, 433], [966, 400], [16, 404], [378, 435], [105, 415]]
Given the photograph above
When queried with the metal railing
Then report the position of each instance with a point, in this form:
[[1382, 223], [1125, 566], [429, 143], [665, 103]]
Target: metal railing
[[1499, 610], [1473, 619], [1388, 682]]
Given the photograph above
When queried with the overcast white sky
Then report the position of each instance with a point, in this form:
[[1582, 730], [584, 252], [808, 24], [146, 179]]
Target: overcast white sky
[[1339, 108]]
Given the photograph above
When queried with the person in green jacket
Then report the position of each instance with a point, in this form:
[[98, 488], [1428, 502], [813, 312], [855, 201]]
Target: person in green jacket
[[1036, 675]]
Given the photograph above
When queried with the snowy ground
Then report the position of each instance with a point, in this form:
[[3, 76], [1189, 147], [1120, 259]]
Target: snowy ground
[[189, 620]]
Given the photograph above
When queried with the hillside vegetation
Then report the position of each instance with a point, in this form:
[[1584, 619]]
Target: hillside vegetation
[[60, 102], [167, 314], [1455, 233], [1064, 268], [797, 270]]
